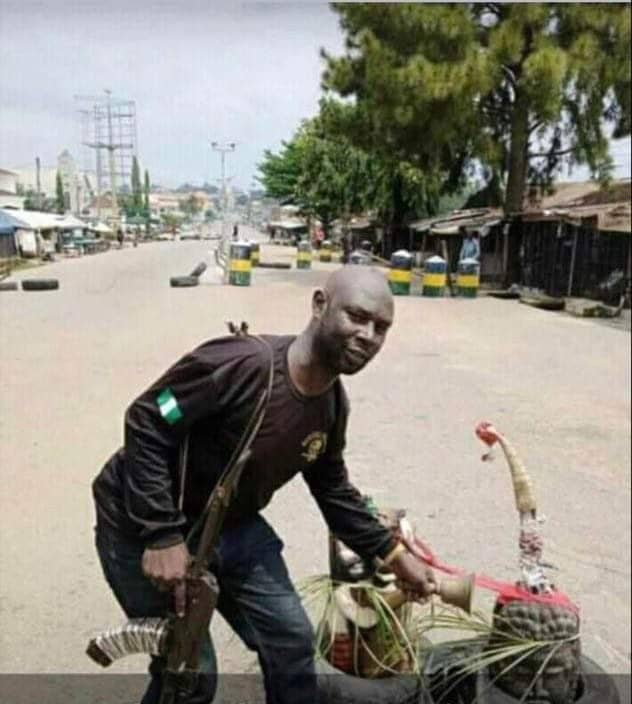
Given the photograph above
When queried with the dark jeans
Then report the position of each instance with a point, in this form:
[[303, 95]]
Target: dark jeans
[[256, 598]]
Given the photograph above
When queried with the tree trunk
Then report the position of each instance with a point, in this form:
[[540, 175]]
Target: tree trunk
[[516, 179]]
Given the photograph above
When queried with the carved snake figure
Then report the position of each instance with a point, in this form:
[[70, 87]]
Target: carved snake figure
[[530, 541]]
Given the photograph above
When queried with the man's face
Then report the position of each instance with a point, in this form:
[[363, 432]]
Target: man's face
[[352, 328]]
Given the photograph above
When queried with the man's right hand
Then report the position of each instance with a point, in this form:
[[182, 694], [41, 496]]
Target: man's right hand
[[167, 569]]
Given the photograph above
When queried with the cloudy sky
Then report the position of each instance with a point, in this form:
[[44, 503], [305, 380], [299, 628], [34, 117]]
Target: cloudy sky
[[198, 71]]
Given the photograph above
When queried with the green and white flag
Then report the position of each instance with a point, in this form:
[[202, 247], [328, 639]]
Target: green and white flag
[[168, 406]]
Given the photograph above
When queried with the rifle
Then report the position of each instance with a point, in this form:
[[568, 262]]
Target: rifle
[[178, 638]]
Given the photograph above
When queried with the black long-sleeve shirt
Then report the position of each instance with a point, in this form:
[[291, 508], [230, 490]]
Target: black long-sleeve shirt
[[209, 395]]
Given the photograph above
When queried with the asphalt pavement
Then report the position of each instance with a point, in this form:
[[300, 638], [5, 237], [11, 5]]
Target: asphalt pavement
[[71, 360]]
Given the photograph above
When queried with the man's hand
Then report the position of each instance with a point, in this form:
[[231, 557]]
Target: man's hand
[[414, 577], [167, 568]]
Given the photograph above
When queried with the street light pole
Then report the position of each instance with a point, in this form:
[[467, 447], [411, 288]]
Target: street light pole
[[223, 149]]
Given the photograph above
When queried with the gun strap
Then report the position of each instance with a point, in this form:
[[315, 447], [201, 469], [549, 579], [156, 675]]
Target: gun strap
[[228, 478]]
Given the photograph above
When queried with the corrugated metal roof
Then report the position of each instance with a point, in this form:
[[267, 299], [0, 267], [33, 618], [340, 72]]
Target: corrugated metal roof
[[449, 224], [287, 224], [36, 220]]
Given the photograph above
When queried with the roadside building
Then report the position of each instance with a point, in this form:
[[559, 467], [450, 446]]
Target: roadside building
[[9, 195], [577, 242], [444, 236]]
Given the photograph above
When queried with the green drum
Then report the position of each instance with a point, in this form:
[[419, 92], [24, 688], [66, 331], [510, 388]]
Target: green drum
[[324, 253], [400, 275], [254, 254], [467, 278], [239, 264], [304, 255], [434, 279]]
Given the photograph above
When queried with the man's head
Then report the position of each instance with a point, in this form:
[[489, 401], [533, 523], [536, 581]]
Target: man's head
[[351, 315]]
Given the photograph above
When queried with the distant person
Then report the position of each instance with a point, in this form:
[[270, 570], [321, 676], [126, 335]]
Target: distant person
[[235, 232], [470, 249], [346, 248], [119, 238]]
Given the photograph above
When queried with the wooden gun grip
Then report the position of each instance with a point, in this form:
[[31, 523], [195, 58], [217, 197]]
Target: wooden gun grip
[[188, 631]]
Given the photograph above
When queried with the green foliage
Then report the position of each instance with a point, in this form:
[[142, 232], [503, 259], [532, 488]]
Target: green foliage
[[171, 220], [60, 198], [279, 173], [146, 189], [329, 178], [137, 192], [192, 205], [522, 88]]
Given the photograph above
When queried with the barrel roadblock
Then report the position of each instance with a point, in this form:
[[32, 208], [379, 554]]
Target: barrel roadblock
[[304, 255], [467, 279], [239, 265], [254, 254], [400, 273], [434, 279], [324, 253]]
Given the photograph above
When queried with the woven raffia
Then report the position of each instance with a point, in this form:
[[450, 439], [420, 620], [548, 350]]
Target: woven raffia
[[537, 622]]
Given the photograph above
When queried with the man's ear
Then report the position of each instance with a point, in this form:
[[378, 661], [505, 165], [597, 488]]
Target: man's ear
[[319, 303]]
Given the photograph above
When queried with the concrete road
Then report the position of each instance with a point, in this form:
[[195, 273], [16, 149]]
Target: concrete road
[[71, 360]]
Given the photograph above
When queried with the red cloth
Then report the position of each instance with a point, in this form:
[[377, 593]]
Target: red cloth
[[506, 590]]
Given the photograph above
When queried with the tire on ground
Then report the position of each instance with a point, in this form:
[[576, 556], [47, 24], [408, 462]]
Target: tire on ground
[[274, 265], [183, 281], [597, 687], [199, 269], [40, 284], [336, 687], [8, 285]]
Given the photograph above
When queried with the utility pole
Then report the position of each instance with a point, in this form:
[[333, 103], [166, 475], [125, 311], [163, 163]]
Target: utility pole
[[223, 149], [38, 183], [111, 147]]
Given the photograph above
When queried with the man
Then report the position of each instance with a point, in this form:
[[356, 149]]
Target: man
[[470, 248], [208, 396]]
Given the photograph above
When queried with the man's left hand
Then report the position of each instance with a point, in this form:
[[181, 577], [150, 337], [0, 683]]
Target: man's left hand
[[414, 577]]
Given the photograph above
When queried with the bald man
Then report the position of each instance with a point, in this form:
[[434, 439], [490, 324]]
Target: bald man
[[208, 397]]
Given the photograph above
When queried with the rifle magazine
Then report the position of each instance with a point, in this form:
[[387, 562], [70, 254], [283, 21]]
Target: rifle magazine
[[139, 635]]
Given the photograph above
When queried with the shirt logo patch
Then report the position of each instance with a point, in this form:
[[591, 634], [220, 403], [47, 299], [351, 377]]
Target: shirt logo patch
[[168, 406], [314, 445]]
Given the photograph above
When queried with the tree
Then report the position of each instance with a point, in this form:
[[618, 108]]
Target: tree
[[521, 88], [192, 205], [60, 197], [329, 178], [279, 173], [146, 190], [322, 176], [137, 192], [171, 220]]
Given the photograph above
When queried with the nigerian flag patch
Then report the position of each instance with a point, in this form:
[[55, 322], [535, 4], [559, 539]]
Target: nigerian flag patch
[[168, 406]]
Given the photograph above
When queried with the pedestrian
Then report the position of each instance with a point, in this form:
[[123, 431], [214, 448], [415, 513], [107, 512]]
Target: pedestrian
[[470, 249], [346, 248], [235, 232], [207, 397], [119, 237]]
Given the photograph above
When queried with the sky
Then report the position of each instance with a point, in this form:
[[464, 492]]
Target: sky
[[198, 72]]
